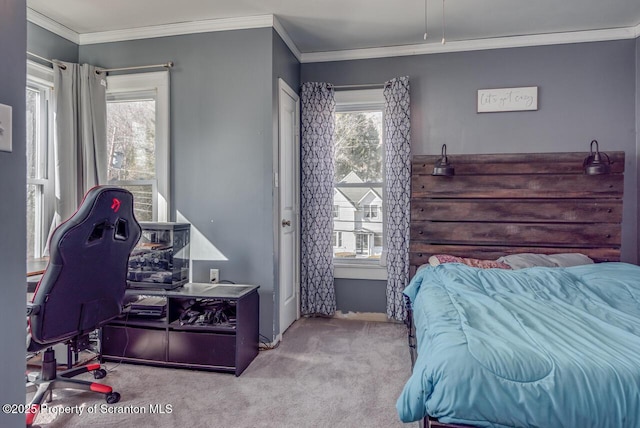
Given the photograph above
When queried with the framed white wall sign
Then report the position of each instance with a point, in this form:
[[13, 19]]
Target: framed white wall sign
[[508, 99]]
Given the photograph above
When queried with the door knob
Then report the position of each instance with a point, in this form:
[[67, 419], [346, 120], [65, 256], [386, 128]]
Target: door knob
[[286, 223]]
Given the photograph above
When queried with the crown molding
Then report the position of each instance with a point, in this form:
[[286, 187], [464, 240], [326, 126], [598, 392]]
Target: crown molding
[[226, 24], [474, 45], [262, 21], [180, 28], [53, 26], [286, 39]]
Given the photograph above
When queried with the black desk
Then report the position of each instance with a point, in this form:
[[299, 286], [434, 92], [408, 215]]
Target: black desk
[[166, 341]]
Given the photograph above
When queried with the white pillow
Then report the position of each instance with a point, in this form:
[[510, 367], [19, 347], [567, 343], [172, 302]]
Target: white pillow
[[569, 259], [526, 260]]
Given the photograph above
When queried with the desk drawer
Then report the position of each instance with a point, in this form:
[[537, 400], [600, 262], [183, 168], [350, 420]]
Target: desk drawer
[[140, 343], [202, 348]]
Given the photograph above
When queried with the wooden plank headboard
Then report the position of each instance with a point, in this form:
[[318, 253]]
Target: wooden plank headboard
[[498, 204]]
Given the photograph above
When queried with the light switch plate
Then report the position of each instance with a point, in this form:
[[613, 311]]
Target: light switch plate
[[5, 128]]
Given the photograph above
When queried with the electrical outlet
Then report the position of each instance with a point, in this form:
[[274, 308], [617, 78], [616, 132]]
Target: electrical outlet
[[5, 128], [214, 276]]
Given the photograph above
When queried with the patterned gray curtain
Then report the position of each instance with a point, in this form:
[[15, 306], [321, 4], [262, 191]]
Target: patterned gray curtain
[[317, 290], [397, 146]]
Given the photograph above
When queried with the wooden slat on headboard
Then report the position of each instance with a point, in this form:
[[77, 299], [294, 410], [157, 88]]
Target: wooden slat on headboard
[[501, 204]]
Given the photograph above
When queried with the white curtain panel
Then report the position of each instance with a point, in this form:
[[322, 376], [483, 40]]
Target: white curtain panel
[[317, 290], [80, 150], [397, 146]]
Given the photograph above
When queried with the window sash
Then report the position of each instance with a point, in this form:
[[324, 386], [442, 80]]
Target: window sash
[[362, 244], [39, 189], [143, 209], [143, 87], [352, 102], [35, 220]]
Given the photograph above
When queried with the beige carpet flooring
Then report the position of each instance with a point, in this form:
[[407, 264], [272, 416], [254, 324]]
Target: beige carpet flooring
[[325, 373]]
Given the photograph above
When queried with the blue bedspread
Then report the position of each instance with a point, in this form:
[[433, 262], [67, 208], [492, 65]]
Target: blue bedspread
[[537, 347]]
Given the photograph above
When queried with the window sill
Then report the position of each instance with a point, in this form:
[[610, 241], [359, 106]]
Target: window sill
[[359, 271]]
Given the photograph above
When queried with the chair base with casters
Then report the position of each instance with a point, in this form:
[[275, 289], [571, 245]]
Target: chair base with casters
[[49, 379]]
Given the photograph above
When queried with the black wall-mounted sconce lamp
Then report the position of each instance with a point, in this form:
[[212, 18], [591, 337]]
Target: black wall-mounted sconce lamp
[[442, 166], [595, 163]]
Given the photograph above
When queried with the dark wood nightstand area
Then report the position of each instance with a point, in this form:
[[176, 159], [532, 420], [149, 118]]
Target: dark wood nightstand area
[[202, 326]]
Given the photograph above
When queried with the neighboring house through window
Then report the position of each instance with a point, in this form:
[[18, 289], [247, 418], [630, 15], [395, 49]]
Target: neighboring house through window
[[370, 211], [359, 175], [337, 239]]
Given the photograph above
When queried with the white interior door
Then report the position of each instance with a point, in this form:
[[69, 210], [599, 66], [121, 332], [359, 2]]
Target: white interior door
[[288, 183]]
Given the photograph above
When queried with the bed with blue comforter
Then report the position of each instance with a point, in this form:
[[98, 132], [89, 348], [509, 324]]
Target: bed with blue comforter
[[536, 347]]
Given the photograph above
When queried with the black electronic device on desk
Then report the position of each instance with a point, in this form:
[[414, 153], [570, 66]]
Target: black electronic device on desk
[[148, 307], [161, 258]]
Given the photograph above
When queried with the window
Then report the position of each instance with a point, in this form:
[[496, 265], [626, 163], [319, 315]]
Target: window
[[137, 138], [371, 211], [39, 127], [131, 134], [358, 180], [337, 239], [362, 244], [336, 211]]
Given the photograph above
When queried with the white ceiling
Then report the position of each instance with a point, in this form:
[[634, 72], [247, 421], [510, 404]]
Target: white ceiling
[[337, 25]]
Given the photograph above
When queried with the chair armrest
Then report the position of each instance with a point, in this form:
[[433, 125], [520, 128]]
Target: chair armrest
[[32, 309]]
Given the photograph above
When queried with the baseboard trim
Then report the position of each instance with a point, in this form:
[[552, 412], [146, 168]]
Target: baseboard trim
[[272, 345], [363, 316]]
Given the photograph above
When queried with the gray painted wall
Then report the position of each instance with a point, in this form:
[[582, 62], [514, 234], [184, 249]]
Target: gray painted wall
[[575, 82], [13, 172], [49, 45], [360, 295], [586, 91], [638, 134], [223, 123], [221, 147], [286, 67]]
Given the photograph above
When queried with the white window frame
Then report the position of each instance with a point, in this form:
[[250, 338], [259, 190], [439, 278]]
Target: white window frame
[[122, 87], [40, 78], [337, 239], [353, 101], [360, 239], [371, 211]]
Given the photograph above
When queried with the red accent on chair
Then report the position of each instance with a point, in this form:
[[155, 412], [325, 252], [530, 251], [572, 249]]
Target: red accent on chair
[[32, 412], [100, 387], [115, 206], [92, 367]]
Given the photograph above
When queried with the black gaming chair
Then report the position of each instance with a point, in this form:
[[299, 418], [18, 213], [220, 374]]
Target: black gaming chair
[[82, 288]]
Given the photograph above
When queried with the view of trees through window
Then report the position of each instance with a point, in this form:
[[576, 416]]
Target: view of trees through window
[[358, 146], [131, 137], [358, 185]]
